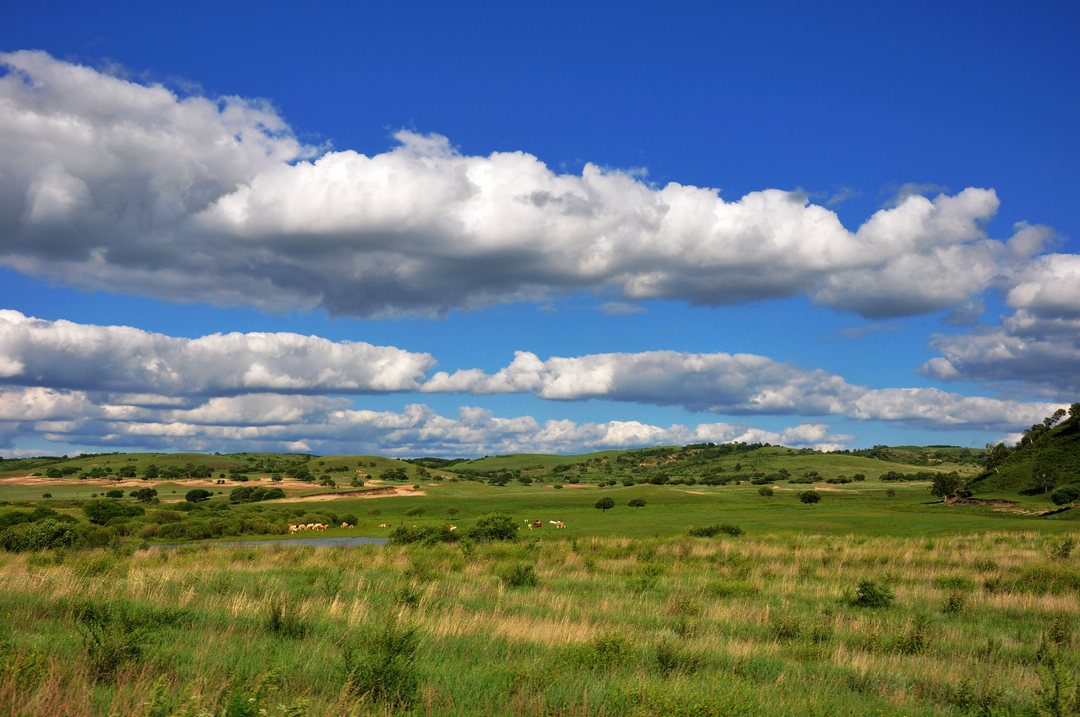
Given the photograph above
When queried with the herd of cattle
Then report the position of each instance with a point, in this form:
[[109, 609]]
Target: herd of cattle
[[297, 527]]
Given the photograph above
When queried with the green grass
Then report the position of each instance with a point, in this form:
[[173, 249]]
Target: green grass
[[753, 624]]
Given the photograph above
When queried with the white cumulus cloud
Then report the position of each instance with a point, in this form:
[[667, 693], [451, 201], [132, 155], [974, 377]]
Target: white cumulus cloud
[[114, 185]]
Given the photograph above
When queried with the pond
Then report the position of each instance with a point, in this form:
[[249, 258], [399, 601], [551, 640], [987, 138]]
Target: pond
[[342, 542]]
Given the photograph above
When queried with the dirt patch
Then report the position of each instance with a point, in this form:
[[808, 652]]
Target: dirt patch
[[996, 502], [387, 492], [822, 488]]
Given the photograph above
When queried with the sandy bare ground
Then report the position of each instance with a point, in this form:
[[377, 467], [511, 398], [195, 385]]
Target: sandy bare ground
[[822, 488], [185, 482], [387, 492]]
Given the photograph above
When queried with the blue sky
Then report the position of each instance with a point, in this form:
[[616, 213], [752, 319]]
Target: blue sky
[[420, 229]]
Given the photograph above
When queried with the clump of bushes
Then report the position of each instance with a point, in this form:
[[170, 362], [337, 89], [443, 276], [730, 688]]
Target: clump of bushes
[[494, 526], [426, 534], [254, 494], [710, 531], [636, 503], [810, 497]]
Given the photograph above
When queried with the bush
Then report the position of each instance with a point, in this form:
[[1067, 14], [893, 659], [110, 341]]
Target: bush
[[494, 526], [1065, 496], [519, 575], [810, 497], [637, 503], [709, 531], [383, 671], [114, 493], [427, 534], [872, 594], [604, 504], [605, 651], [765, 491], [101, 510]]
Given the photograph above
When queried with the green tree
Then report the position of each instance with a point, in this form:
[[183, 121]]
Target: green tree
[[809, 497], [1044, 477], [144, 495], [605, 504], [197, 495], [945, 485]]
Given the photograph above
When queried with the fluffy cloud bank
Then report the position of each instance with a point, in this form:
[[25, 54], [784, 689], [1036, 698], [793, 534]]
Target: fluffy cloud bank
[[120, 386], [1040, 355], [113, 185], [324, 425], [134, 368], [62, 354]]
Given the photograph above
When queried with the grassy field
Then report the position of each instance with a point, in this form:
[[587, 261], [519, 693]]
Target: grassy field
[[878, 599], [978, 623]]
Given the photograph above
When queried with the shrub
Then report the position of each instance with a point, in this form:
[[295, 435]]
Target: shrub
[[112, 636], [605, 504], [1063, 550], [281, 619], [519, 575], [101, 510], [427, 534], [872, 594], [604, 651], [810, 497], [637, 503], [916, 637], [1065, 496], [954, 604], [670, 657], [766, 491], [114, 493], [709, 531], [415, 510], [384, 670], [494, 526]]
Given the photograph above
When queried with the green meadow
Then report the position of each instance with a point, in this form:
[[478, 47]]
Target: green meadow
[[709, 587]]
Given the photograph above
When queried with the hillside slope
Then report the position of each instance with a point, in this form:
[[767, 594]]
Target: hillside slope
[[1045, 459]]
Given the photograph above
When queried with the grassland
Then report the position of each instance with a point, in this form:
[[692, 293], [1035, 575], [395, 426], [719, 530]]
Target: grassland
[[879, 599], [979, 623]]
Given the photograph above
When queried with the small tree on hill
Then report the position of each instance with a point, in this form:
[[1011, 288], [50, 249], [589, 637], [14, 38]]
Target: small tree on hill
[[1044, 477], [810, 497], [605, 504]]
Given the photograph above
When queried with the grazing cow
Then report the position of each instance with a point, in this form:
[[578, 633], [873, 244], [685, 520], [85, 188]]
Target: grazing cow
[[384, 525], [320, 526]]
